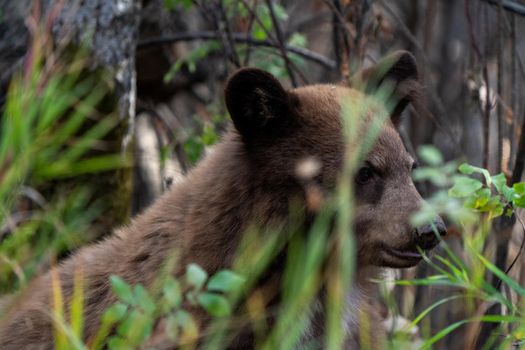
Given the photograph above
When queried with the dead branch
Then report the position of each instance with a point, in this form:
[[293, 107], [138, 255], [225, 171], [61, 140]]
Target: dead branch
[[251, 21], [508, 5], [239, 38], [226, 34], [280, 42], [519, 164], [440, 106]]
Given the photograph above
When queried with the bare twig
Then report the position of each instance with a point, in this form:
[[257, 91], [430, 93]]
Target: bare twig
[[514, 104], [314, 20], [272, 38], [518, 254], [488, 101], [340, 38], [510, 6], [486, 110], [251, 21], [502, 130], [519, 164], [228, 33], [221, 24], [239, 38], [440, 106], [510, 28], [336, 34], [281, 43], [506, 224]]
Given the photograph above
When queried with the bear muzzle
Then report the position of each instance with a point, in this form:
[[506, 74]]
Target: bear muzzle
[[429, 235]]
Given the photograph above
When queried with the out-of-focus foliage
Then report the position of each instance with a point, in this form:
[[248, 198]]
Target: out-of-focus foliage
[[51, 138], [48, 134]]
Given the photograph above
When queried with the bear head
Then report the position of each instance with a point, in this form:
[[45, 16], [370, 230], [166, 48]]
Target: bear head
[[280, 128]]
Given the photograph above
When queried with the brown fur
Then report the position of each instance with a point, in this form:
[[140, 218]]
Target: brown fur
[[248, 179]]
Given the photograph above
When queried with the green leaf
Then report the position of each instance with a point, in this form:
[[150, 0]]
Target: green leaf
[[169, 4], [225, 281], [194, 149], [424, 216], [114, 313], [174, 69], [442, 333], [117, 343], [435, 280], [122, 290], [464, 186], [479, 199], [519, 194], [209, 136], [172, 327], [519, 188], [187, 323], [298, 39], [140, 328], [509, 193], [280, 12], [125, 326], [519, 202], [467, 169], [470, 169], [144, 300], [501, 275], [434, 175], [183, 318], [499, 182], [494, 206], [430, 155], [428, 310], [172, 292], [195, 276], [258, 33], [216, 305]]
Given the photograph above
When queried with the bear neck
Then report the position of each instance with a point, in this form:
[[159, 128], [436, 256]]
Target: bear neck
[[207, 213]]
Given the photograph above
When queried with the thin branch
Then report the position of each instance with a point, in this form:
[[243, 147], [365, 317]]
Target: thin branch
[[221, 23], [341, 33], [280, 40], [226, 32], [509, 26], [508, 5], [519, 164], [518, 254], [487, 107], [239, 38], [251, 21], [272, 38], [440, 106], [499, 110]]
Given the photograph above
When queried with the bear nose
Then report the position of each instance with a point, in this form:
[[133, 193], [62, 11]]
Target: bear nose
[[426, 237], [428, 229]]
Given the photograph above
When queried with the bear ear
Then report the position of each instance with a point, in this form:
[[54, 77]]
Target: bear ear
[[399, 69], [256, 101]]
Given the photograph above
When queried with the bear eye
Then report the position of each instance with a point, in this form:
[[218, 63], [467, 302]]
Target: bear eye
[[364, 175]]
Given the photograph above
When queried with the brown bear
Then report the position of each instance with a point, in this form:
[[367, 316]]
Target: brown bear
[[251, 178]]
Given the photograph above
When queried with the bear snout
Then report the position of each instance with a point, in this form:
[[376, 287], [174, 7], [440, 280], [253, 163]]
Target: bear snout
[[427, 238]]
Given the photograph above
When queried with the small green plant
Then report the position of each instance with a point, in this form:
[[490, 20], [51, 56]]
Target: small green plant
[[170, 5], [191, 59], [137, 310], [492, 196], [49, 129], [471, 203], [195, 145]]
